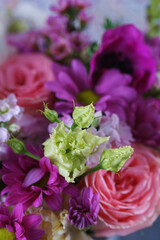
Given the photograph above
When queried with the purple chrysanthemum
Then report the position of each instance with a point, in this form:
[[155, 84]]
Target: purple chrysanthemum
[[144, 120], [30, 181], [112, 92], [24, 227], [84, 209]]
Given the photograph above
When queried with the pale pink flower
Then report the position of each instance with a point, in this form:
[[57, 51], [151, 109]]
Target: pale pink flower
[[130, 200]]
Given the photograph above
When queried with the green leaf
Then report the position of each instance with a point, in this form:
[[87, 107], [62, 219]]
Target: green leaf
[[6, 235]]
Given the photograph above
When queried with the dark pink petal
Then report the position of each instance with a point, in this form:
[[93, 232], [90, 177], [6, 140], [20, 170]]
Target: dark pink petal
[[19, 231], [34, 234], [4, 211], [71, 190], [52, 177], [31, 221], [38, 200], [80, 72], [17, 213], [54, 201], [4, 219], [33, 176], [68, 82], [10, 228]]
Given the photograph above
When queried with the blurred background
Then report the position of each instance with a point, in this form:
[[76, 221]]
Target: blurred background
[[33, 14]]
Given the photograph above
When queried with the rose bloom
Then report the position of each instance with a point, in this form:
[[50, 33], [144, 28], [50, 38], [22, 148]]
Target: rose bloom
[[123, 48], [130, 200], [25, 75]]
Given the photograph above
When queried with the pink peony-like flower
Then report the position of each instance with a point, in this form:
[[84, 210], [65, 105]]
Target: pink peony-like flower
[[25, 75], [130, 200], [123, 48]]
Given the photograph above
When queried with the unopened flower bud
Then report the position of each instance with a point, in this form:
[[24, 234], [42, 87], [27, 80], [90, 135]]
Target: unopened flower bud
[[14, 128], [84, 116], [17, 146], [51, 115], [114, 159]]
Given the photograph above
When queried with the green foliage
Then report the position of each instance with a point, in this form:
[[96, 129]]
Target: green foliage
[[153, 14]]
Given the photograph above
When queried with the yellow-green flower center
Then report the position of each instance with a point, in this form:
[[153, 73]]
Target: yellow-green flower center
[[6, 235], [86, 97]]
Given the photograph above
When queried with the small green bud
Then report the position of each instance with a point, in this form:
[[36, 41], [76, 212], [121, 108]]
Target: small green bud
[[6, 235], [17, 26], [84, 116], [17, 146], [14, 128], [51, 115], [114, 159]]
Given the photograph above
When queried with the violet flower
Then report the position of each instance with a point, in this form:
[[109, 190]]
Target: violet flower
[[144, 120], [84, 209], [112, 92], [22, 227], [124, 49], [30, 181]]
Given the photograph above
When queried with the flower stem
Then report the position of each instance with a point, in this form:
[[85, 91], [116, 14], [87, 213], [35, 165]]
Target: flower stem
[[31, 155], [58, 121], [96, 168]]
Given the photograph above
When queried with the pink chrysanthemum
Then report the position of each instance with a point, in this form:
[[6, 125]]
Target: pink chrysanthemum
[[30, 181], [84, 209], [112, 92]]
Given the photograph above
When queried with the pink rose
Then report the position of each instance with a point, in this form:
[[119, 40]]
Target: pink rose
[[130, 200], [25, 75]]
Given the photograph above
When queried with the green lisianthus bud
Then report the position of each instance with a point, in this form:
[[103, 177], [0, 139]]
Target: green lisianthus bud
[[17, 146], [114, 159], [6, 235], [84, 116], [51, 115]]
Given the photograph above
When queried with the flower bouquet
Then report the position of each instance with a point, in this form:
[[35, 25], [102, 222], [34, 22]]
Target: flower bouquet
[[79, 129]]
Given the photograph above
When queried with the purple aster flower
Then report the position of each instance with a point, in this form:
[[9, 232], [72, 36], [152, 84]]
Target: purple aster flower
[[123, 48], [30, 181], [144, 120], [23, 227], [84, 209], [112, 92]]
